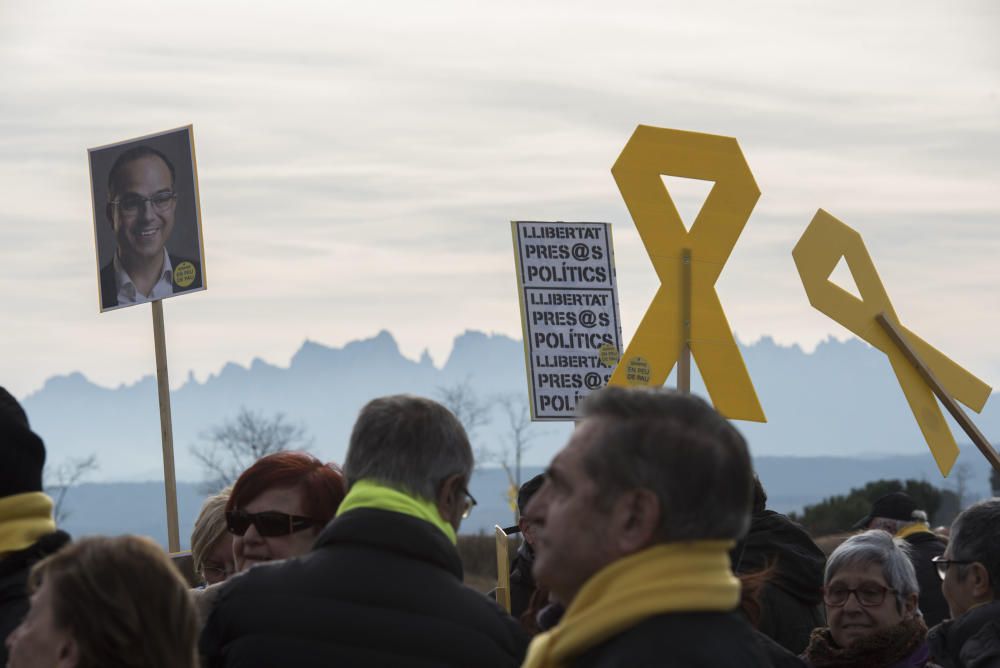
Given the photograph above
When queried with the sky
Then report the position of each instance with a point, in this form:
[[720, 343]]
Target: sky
[[359, 163]]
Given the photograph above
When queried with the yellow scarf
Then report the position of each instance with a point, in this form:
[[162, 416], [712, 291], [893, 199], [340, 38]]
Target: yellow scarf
[[370, 494], [676, 577], [24, 518], [911, 529]]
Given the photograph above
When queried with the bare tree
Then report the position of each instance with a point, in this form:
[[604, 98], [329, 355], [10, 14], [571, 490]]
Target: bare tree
[[519, 434], [473, 412], [59, 480], [230, 448], [962, 473]]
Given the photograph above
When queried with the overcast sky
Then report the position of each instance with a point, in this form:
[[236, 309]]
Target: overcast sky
[[359, 162]]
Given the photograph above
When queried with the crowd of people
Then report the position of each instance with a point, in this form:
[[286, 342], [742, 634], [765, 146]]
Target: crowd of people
[[646, 542]]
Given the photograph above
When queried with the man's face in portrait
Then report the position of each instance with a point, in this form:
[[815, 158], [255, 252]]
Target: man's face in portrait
[[142, 213]]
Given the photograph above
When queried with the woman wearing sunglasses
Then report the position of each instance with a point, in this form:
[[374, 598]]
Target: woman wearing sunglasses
[[279, 505], [870, 592]]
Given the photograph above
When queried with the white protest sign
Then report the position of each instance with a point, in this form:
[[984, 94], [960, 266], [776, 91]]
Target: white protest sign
[[569, 312]]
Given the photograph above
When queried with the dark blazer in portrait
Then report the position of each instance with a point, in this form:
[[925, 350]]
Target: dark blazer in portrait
[[109, 291]]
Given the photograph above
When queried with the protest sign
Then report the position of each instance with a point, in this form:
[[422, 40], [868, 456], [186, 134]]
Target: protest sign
[[147, 219], [569, 312], [922, 370], [685, 317]]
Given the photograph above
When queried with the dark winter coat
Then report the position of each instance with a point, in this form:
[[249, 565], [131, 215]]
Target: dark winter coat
[[792, 599], [681, 640], [522, 583], [14, 570], [926, 546], [971, 641], [379, 589]]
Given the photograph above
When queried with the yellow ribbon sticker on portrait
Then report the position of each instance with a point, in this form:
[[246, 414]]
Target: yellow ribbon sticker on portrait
[[817, 253], [650, 153]]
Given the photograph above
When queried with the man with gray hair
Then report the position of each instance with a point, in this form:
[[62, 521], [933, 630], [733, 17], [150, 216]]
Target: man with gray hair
[[970, 574], [633, 526], [897, 514], [383, 584]]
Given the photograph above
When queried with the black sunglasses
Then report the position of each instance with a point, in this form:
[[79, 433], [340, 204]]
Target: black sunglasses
[[268, 523]]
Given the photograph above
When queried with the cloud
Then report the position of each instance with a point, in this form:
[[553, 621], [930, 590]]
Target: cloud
[[359, 165]]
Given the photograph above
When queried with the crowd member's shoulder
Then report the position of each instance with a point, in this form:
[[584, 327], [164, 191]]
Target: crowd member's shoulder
[[971, 641], [709, 639]]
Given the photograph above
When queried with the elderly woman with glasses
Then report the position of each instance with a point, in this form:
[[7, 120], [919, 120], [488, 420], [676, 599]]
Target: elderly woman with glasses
[[870, 592], [279, 505]]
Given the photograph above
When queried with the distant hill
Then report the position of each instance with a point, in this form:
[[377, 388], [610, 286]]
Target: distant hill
[[791, 482], [841, 400]]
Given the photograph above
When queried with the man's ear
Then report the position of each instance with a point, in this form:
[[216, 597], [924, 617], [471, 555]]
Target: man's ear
[[451, 499], [109, 213], [636, 520], [979, 580]]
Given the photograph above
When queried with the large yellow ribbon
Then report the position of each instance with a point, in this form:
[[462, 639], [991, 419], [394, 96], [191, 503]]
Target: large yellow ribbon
[[655, 348], [817, 253]]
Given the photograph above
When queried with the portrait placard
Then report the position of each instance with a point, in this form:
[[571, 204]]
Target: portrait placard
[[147, 219]]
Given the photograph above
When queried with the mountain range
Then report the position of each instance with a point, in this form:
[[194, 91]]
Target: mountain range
[[836, 419], [841, 399]]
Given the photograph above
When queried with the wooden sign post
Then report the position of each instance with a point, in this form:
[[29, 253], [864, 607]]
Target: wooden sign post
[[166, 428], [503, 569], [897, 336]]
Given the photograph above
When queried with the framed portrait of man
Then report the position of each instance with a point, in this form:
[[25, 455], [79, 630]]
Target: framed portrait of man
[[147, 219]]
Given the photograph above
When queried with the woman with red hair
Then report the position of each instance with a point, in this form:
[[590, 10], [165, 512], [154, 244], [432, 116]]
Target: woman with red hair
[[279, 505]]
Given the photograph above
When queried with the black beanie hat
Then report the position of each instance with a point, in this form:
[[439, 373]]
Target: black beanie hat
[[22, 453]]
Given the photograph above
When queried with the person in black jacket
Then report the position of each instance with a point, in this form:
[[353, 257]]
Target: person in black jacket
[[634, 523], [522, 582], [27, 531], [970, 573], [897, 513], [383, 583], [791, 596]]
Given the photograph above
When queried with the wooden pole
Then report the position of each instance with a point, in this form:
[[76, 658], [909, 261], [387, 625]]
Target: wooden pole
[[897, 336], [166, 430], [503, 569], [684, 361]]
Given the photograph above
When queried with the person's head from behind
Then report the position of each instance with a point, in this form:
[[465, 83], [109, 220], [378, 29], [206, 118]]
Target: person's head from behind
[[525, 523], [141, 204], [416, 446], [109, 602], [279, 505], [211, 542], [643, 467], [970, 568], [869, 586]]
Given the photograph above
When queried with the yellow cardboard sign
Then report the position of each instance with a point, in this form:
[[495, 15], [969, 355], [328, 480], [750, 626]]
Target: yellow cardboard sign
[[656, 346], [816, 255]]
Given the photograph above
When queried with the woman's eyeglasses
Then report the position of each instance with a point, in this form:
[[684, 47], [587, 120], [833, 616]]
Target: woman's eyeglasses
[[268, 523], [868, 595]]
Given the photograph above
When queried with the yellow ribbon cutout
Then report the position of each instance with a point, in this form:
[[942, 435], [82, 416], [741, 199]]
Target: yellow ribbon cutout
[[816, 255], [655, 348]]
